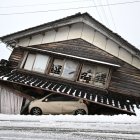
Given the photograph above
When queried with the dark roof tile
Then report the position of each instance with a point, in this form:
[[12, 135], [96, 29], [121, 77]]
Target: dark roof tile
[[96, 96]]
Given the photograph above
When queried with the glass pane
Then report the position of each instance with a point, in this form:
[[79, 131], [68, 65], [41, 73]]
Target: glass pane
[[101, 75], [29, 62], [41, 62], [69, 70], [54, 97], [56, 67], [87, 74]]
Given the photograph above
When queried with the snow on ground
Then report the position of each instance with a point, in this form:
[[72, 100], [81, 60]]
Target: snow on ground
[[79, 118], [67, 127]]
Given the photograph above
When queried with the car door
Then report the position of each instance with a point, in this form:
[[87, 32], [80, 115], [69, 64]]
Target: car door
[[51, 105], [69, 105]]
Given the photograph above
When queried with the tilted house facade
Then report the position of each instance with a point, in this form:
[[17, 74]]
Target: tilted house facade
[[75, 56]]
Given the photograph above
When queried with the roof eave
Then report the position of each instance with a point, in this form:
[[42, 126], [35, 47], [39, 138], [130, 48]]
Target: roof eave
[[43, 27], [64, 22]]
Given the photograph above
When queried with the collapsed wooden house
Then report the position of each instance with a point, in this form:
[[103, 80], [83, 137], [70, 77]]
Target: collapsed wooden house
[[75, 56]]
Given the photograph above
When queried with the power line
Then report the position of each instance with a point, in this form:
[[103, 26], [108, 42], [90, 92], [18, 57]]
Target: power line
[[97, 10], [111, 16], [64, 9], [104, 13], [41, 4]]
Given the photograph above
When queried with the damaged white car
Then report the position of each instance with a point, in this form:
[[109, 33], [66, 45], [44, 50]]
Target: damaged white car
[[58, 104]]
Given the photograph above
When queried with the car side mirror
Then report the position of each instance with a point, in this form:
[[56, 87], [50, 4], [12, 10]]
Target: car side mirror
[[46, 100]]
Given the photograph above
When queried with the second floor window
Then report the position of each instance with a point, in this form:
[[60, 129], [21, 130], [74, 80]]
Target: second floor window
[[64, 68], [94, 75], [36, 62]]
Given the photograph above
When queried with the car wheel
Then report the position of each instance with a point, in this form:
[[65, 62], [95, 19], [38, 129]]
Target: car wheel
[[36, 111], [80, 112]]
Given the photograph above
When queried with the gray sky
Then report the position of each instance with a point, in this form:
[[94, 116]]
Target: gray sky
[[121, 16]]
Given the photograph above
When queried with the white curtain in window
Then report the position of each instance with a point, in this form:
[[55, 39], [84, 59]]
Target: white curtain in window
[[69, 70], [10, 103], [41, 62], [29, 62]]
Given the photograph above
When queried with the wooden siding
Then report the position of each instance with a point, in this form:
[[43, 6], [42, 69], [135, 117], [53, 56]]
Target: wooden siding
[[81, 48], [124, 80], [16, 55]]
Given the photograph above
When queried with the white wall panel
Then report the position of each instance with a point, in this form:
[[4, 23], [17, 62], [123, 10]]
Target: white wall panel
[[37, 39], [75, 31], [49, 37], [24, 42], [136, 62], [125, 55], [62, 34], [112, 47], [88, 33], [99, 40]]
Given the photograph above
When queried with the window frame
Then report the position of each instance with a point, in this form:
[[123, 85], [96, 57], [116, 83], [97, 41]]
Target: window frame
[[45, 66], [107, 75], [107, 79], [81, 73], [27, 59], [23, 63], [63, 65], [53, 74], [78, 70]]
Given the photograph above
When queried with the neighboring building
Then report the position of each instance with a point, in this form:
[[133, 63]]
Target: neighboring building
[[75, 56]]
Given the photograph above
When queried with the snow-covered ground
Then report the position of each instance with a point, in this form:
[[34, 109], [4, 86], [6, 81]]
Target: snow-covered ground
[[67, 127]]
